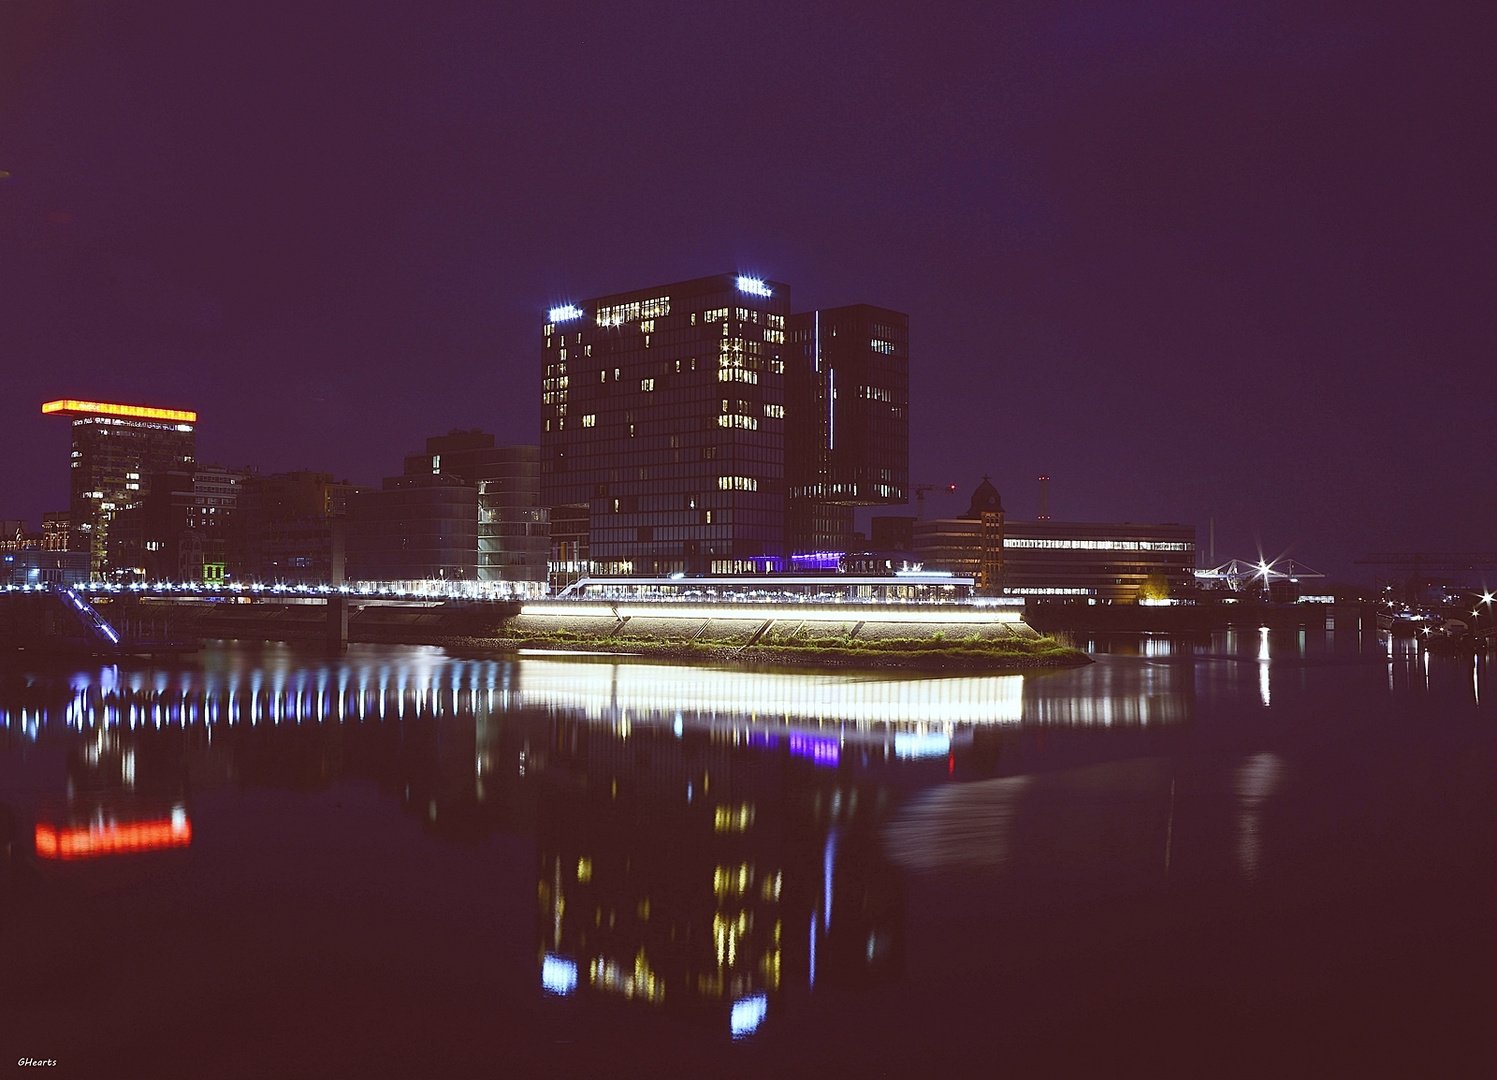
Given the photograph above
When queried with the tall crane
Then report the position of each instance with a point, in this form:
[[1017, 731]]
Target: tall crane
[[921, 489]]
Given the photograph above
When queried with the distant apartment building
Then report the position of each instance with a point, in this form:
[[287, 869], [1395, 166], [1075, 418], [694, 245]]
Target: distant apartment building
[[115, 449], [184, 529], [514, 533], [289, 522], [1056, 559], [700, 438], [36, 558], [57, 530]]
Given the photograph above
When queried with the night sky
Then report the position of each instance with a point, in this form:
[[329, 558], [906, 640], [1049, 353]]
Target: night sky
[[1230, 260]]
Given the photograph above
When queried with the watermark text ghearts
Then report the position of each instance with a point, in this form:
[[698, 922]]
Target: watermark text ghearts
[[37, 1061]]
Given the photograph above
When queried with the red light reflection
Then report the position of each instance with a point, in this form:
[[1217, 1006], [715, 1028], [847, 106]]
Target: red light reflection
[[112, 838]]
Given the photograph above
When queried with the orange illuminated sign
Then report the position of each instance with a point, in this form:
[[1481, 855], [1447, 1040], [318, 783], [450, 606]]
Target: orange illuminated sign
[[72, 407], [90, 841]]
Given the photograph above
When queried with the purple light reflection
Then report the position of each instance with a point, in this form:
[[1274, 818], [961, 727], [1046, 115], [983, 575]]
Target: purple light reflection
[[821, 749]]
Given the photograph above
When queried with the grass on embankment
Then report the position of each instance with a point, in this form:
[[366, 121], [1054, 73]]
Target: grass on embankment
[[934, 652]]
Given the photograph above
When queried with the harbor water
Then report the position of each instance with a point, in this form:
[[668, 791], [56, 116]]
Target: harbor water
[[1249, 853]]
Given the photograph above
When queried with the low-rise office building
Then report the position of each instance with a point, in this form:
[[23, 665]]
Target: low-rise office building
[[1103, 561], [35, 566]]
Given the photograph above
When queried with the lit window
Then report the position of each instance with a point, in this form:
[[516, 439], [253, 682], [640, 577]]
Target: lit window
[[647, 385], [737, 483], [590, 420], [775, 411], [619, 314]]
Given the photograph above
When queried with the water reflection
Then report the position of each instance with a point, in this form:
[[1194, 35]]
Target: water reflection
[[1256, 779], [705, 838], [703, 872], [717, 845]]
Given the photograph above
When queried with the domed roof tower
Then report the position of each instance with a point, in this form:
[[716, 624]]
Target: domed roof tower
[[984, 500]]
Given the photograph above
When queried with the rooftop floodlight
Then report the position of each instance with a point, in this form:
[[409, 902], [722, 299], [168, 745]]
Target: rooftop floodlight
[[1486, 598], [753, 285], [565, 313]]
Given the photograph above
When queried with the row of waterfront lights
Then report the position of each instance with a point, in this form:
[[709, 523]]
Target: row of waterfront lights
[[434, 587], [567, 312]]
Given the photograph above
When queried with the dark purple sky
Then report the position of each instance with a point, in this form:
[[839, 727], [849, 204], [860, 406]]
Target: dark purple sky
[[1192, 260]]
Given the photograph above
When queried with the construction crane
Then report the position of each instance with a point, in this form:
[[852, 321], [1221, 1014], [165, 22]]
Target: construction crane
[[921, 489]]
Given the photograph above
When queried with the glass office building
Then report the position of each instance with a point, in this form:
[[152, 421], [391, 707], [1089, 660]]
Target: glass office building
[[514, 529], [663, 412], [847, 435]]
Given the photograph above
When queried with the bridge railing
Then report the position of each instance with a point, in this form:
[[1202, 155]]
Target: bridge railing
[[375, 590]]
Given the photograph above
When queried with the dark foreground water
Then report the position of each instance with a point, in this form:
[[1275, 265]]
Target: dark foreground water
[[1257, 856]]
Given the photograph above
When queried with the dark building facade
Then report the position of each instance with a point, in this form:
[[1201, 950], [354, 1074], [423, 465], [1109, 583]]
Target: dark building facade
[[893, 533], [288, 521], [847, 411], [514, 535], [570, 543], [184, 529], [414, 527], [116, 449], [663, 411]]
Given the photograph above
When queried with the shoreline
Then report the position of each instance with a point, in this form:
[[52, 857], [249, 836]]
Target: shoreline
[[956, 657]]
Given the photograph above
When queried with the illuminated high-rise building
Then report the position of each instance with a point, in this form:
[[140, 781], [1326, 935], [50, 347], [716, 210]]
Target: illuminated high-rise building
[[116, 449], [663, 411], [702, 428]]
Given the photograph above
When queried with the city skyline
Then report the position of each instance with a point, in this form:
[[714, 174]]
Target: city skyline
[[1194, 266]]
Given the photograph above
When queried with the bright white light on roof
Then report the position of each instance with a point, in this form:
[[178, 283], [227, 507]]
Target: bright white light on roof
[[565, 313], [558, 974], [757, 287], [748, 1014]]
